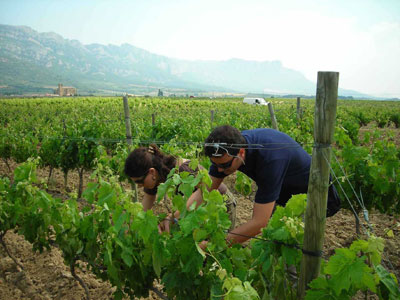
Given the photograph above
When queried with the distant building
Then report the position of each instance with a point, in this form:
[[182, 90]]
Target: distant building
[[65, 90]]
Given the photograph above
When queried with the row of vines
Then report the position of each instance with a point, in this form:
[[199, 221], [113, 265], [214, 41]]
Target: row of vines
[[65, 134], [120, 243]]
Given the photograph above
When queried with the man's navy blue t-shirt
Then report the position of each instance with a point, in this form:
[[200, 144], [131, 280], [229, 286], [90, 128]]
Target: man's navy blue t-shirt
[[278, 164]]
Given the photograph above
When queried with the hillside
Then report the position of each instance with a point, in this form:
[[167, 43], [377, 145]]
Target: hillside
[[36, 62]]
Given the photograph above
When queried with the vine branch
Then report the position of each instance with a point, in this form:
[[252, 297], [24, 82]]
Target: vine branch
[[77, 278], [8, 252], [158, 293]]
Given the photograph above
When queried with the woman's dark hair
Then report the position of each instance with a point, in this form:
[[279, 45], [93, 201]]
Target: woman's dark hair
[[224, 139], [142, 159]]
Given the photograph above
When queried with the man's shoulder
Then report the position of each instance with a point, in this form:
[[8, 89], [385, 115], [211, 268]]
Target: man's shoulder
[[265, 136], [260, 132]]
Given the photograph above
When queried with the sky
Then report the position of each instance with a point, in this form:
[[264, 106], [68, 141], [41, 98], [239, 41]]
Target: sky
[[360, 39]]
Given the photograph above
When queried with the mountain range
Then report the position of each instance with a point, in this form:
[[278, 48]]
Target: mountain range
[[36, 62]]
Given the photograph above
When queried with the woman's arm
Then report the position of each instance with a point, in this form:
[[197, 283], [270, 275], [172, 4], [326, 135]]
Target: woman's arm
[[198, 196], [148, 201]]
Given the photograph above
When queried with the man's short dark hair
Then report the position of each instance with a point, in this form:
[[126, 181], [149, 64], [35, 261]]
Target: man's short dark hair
[[224, 139]]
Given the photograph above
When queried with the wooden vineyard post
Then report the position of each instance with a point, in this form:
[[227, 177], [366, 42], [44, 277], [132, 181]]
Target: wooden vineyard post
[[298, 109], [315, 215], [66, 172], [153, 124], [127, 122], [129, 138], [273, 118]]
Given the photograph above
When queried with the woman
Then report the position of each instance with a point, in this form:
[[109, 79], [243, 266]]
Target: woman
[[148, 167]]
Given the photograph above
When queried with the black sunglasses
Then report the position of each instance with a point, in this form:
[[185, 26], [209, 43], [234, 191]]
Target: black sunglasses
[[224, 166], [141, 179]]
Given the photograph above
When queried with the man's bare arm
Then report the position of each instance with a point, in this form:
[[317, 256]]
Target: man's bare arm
[[261, 215]]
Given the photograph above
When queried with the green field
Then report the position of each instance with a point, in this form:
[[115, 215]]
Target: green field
[[120, 243]]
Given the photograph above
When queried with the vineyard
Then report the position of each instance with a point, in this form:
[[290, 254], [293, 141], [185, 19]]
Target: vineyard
[[62, 190]]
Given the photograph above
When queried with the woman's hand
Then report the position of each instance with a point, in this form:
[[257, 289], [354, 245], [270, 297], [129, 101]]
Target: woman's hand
[[165, 225], [203, 245]]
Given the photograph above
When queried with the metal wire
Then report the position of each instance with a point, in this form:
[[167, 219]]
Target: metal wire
[[361, 204], [344, 193], [295, 246]]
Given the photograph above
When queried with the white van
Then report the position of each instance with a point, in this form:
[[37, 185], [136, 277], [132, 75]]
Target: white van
[[255, 101]]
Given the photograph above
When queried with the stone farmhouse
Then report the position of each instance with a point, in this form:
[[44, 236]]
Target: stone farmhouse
[[65, 90]]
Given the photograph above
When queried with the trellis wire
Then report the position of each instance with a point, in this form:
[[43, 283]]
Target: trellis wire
[[352, 208]]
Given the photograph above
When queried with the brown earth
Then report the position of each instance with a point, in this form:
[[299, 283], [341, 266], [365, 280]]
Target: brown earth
[[44, 275], [390, 132]]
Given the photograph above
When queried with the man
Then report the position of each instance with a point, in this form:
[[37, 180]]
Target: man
[[278, 164]]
